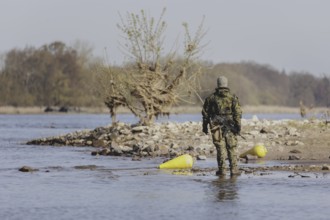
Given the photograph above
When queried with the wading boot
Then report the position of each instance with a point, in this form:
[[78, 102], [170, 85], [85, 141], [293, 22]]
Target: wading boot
[[220, 173], [235, 173]]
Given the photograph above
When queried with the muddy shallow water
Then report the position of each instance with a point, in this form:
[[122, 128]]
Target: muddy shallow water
[[72, 184]]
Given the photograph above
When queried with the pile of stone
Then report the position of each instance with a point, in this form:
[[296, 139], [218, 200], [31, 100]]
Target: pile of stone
[[172, 139], [166, 139]]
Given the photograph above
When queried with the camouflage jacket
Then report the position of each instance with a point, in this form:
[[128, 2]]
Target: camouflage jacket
[[224, 104]]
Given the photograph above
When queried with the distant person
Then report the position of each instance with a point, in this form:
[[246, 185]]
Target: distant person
[[222, 111], [303, 110]]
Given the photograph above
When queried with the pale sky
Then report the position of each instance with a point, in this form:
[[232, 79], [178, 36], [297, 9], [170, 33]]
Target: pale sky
[[293, 35]]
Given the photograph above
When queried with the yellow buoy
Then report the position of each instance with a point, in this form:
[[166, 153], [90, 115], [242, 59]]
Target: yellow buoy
[[258, 150], [182, 162]]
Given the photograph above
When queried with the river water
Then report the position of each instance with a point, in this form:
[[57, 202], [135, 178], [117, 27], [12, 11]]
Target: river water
[[72, 184]]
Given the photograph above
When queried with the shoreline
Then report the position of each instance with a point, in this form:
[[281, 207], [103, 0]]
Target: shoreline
[[261, 109], [285, 140], [299, 145]]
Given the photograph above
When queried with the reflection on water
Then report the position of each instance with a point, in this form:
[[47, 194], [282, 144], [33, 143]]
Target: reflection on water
[[225, 188]]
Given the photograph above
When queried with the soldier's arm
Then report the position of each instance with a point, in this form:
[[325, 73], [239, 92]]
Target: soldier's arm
[[237, 112], [205, 114], [205, 111]]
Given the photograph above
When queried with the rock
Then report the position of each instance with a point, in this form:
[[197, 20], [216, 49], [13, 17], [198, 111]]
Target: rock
[[255, 118], [116, 151], [114, 136], [78, 142], [136, 158], [103, 137], [254, 133], [86, 167], [63, 109], [156, 137], [163, 150], [291, 143], [148, 149], [325, 167], [138, 129], [143, 153], [142, 135], [251, 157], [136, 147], [312, 167], [174, 146], [299, 143], [94, 153], [149, 143], [104, 152], [213, 151], [126, 149], [190, 148], [125, 132], [99, 143], [294, 157], [295, 151], [201, 157], [292, 131], [27, 169], [48, 109], [173, 153], [264, 130]]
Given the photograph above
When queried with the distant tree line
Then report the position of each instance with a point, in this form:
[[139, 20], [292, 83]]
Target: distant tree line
[[257, 84], [59, 75], [52, 75]]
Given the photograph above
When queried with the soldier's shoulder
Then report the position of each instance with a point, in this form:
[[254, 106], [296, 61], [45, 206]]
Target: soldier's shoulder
[[235, 96], [210, 97], [232, 95], [235, 99]]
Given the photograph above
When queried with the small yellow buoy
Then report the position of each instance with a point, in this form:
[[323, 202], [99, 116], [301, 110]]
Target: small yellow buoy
[[258, 150], [182, 162]]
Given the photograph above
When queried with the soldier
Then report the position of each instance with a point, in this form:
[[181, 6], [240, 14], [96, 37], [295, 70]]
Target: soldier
[[222, 111]]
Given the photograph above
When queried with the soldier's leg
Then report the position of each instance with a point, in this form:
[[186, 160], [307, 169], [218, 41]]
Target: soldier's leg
[[231, 146], [219, 144]]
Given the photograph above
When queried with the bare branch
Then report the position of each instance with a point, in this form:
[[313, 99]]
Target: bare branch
[[152, 81]]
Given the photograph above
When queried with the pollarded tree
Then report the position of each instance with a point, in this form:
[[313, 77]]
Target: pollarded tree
[[153, 80]]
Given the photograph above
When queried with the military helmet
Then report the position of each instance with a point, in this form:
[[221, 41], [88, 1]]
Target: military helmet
[[222, 82]]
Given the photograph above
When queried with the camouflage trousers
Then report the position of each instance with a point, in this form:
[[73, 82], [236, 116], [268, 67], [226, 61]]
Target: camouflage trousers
[[226, 144]]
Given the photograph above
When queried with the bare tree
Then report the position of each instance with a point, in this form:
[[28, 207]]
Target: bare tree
[[152, 81]]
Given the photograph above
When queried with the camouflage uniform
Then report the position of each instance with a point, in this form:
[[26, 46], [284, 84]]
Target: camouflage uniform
[[226, 105]]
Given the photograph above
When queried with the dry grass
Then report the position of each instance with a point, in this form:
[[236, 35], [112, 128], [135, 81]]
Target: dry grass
[[21, 110]]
